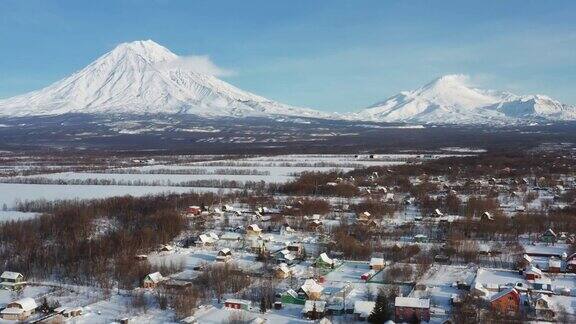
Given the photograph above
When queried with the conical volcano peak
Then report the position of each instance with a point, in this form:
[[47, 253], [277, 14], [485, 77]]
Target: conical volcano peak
[[147, 49]]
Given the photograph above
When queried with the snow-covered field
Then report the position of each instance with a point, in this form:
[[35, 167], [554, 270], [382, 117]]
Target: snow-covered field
[[11, 193]]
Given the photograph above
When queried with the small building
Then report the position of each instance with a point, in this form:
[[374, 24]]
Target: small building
[[282, 271], [363, 309], [542, 305], [237, 304], [407, 309], [367, 275], [152, 280], [166, 248], [437, 213], [554, 265], [323, 261], [193, 210], [526, 261], [364, 217], [68, 312], [291, 297], [549, 236], [224, 255], [376, 264], [12, 280], [532, 273], [310, 290], [19, 310], [486, 217], [506, 301], [207, 239], [253, 230], [420, 238], [571, 266], [314, 309], [285, 256]]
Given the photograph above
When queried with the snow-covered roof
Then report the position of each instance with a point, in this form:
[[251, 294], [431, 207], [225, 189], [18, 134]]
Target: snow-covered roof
[[27, 304], [292, 293], [155, 277], [376, 261], [503, 293], [533, 269], [12, 311], [311, 286], [238, 301], [412, 302], [309, 306], [364, 308], [254, 227], [284, 268], [324, 257], [224, 251], [10, 275]]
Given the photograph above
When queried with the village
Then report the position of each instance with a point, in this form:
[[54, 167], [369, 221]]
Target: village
[[461, 239]]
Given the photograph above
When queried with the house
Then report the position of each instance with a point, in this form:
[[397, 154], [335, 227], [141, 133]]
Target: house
[[532, 273], [315, 225], [542, 305], [554, 265], [253, 230], [19, 310], [152, 280], [437, 213], [407, 309], [363, 217], [542, 285], [376, 264], [323, 261], [478, 290], [314, 309], [549, 236], [571, 265], [237, 304], [207, 239], [486, 216], [310, 290], [12, 280], [506, 301], [166, 248], [193, 211], [420, 238], [294, 248], [224, 255], [366, 276], [526, 261], [68, 312], [363, 309], [285, 256], [282, 271], [291, 297]]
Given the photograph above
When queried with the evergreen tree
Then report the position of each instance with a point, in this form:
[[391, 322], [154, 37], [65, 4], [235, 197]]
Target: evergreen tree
[[381, 312]]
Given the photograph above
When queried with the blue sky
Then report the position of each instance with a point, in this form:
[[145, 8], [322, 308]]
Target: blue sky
[[329, 55]]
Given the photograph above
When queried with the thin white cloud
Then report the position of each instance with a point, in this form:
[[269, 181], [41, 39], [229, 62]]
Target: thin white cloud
[[197, 63]]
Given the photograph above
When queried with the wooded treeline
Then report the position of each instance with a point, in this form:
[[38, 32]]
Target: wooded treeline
[[96, 240]]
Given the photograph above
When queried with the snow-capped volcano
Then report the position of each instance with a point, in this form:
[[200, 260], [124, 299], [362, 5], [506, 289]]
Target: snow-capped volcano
[[450, 99], [139, 78]]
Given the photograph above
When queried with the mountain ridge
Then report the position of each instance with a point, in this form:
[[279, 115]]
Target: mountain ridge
[[451, 100], [135, 78]]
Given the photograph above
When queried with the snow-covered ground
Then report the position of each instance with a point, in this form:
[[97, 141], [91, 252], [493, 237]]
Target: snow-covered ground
[[10, 193]]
